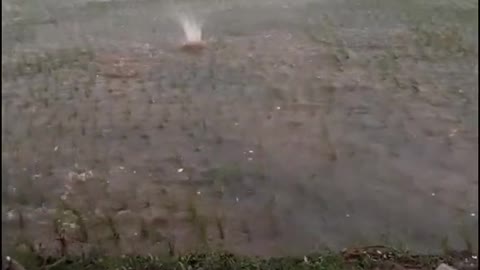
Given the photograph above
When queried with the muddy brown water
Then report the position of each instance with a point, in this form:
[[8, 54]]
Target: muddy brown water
[[302, 125]]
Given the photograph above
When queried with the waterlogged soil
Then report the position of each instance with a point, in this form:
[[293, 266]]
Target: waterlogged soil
[[301, 125]]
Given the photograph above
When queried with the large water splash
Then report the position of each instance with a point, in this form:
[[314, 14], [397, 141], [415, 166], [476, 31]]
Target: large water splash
[[192, 28]]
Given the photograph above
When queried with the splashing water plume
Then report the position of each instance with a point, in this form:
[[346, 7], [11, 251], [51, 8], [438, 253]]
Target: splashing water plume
[[192, 29]]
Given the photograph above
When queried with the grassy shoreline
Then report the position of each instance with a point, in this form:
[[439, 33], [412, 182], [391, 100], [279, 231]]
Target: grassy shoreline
[[372, 257]]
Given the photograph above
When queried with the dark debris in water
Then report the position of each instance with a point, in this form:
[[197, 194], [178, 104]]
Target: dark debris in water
[[194, 47]]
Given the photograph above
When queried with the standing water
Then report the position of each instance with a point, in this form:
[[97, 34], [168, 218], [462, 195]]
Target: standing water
[[318, 124]]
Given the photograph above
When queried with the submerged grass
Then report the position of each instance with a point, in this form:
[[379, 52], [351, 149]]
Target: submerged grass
[[433, 42], [322, 261]]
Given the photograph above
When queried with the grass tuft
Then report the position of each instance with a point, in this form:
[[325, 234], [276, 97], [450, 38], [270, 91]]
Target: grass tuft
[[326, 260]]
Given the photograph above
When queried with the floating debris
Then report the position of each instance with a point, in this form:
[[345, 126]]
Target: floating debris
[[193, 47], [453, 132], [80, 176], [180, 170], [11, 215], [70, 225]]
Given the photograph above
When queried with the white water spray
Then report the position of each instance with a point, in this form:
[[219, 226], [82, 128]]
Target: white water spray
[[192, 28]]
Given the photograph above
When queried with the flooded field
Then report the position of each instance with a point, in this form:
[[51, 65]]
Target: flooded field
[[301, 125]]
